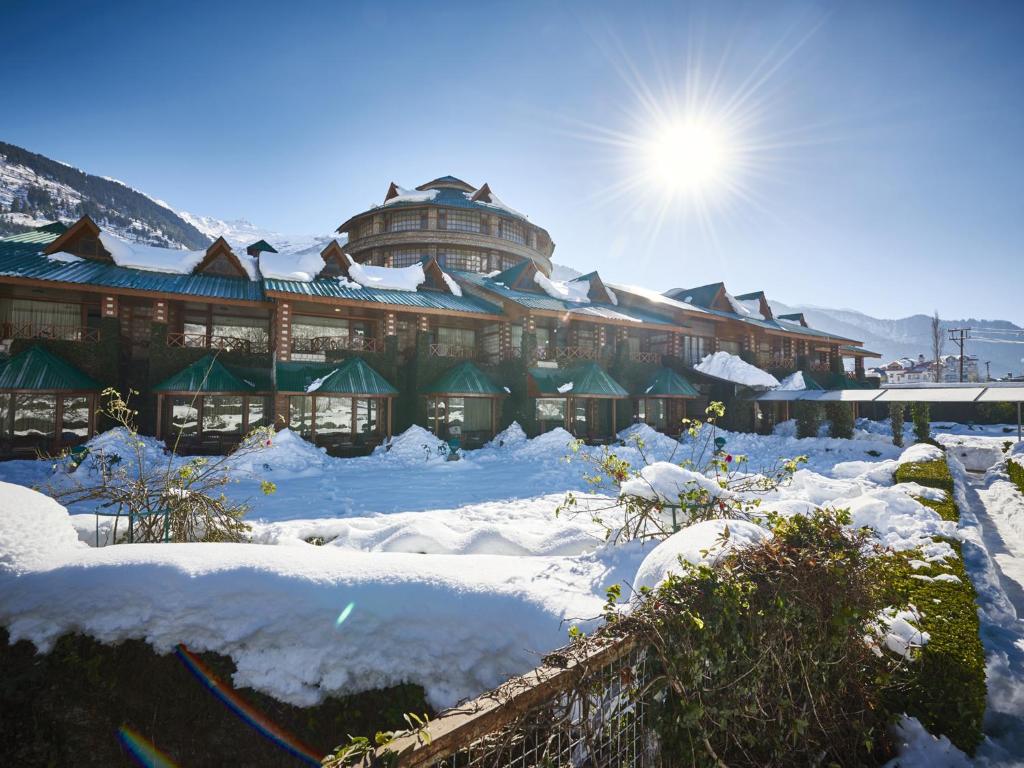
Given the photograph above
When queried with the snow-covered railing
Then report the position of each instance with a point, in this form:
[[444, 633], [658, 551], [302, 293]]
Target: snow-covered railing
[[56, 332], [591, 710]]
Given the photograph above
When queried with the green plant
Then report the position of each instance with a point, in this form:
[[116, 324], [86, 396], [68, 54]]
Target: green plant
[[920, 414], [808, 418], [1016, 472], [896, 422], [934, 474], [840, 417]]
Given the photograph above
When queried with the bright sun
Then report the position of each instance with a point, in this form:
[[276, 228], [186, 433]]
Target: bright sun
[[688, 157]]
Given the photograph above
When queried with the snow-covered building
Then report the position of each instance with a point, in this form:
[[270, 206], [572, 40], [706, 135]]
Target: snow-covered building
[[440, 309], [909, 371]]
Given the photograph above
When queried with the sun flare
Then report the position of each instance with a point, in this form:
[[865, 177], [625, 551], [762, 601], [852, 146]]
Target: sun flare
[[688, 156]]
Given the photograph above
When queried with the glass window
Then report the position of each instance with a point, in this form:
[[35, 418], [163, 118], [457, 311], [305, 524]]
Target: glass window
[[406, 332], [435, 415], [247, 333], [25, 318], [517, 337], [543, 338], [366, 228], [76, 418], [457, 337], [456, 415], [579, 416], [551, 412], [512, 230], [405, 221], [732, 347], [222, 414], [368, 420], [654, 411], [658, 343], [34, 415], [184, 416], [461, 260], [5, 415], [586, 337], [333, 416], [459, 221], [406, 257], [259, 412], [477, 414], [300, 414]]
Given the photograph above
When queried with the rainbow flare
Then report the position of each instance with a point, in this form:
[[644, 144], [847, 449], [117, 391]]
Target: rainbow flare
[[244, 710], [142, 749]]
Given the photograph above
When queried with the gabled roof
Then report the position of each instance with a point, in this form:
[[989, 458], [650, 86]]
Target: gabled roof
[[68, 241], [464, 379], [207, 374], [260, 246], [447, 182], [220, 248], [764, 307], [586, 380], [665, 382], [349, 377], [40, 370], [703, 295], [327, 287], [796, 317]]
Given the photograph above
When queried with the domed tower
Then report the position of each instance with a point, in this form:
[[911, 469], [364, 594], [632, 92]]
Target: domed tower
[[466, 228]]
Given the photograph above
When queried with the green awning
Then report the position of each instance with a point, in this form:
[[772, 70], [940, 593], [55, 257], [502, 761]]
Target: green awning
[[587, 380], [464, 379], [667, 383], [208, 374], [350, 377], [39, 370]]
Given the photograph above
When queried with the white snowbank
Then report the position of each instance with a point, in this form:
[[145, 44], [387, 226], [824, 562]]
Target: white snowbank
[[453, 286], [511, 438], [414, 445], [921, 452], [795, 381], [701, 543], [664, 481], [303, 265], [723, 365], [387, 278], [976, 453], [412, 196], [155, 259], [32, 528], [574, 290], [287, 456], [919, 749]]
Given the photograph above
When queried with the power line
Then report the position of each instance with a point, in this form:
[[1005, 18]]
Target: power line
[[959, 336]]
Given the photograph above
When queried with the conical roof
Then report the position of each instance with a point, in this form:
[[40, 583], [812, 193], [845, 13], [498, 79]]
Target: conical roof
[[464, 379], [38, 369]]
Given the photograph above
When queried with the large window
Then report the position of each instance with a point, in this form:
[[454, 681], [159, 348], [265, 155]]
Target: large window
[[24, 318], [222, 414], [338, 419], [406, 257], [653, 411], [333, 416], [75, 422], [551, 412], [695, 348], [459, 416], [512, 230], [461, 260], [458, 221], [461, 338], [184, 413], [316, 335], [405, 221], [300, 415]]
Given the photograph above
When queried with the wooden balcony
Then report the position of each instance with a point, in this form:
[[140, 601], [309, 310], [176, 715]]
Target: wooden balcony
[[645, 357], [452, 350], [223, 343], [55, 332], [321, 344], [776, 361], [567, 353]]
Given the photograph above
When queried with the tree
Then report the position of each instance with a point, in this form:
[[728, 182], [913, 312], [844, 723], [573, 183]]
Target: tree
[[808, 418], [896, 422], [920, 413], [840, 416], [937, 342]]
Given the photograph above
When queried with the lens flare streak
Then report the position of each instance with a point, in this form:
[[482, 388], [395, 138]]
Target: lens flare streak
[[142, 749]]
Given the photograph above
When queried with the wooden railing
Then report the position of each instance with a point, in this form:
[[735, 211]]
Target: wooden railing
[[645, 357], [225, 343], [318, 344], [451, 350], [56, 332], [567, 353], [776, 361]]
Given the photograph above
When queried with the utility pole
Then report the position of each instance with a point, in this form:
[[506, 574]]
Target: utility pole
[[988, 370], [958, 336]]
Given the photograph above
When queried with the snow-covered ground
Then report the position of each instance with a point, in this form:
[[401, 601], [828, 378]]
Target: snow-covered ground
[[404, 566]]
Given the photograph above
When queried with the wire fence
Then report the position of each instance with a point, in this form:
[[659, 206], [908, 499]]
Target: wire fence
[[586, 712]]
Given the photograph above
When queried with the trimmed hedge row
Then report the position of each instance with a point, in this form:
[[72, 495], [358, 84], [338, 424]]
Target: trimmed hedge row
[[934, 474], [1016, 472], [945, 686]]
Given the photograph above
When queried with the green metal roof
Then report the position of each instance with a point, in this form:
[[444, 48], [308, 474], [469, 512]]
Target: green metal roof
[[338, 289], [40, 370], [667, 383], [702, 295], [22, 256], [587, 380], [208, 374], [350, 377], [262, 246], [464, 379]]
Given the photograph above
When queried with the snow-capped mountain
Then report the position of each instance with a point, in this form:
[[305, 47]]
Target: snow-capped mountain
[[911, 336], [241, 232], [36, 190]]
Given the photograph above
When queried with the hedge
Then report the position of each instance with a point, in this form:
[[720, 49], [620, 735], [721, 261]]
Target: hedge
[[934, 474], [1016, 472], [945, 686]]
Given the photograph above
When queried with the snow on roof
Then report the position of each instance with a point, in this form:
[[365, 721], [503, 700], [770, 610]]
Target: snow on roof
[[411, 196], [387, 278], [567, 387], [794, 381], [155, 259], [453, 286], [655, 297], [574, 290], [304, 264], [722, 365]]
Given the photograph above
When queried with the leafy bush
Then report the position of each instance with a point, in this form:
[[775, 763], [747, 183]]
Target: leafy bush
[[840, 417], [1016, 472], [920, 413], [946, 508], [896, 422], [934, 474], [808, 418]]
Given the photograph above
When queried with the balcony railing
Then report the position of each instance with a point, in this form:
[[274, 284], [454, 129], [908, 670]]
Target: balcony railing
[[452, 350], [224, 343], [566, 353], [319, 344], [776, 361], [55, 332], [645, 357]]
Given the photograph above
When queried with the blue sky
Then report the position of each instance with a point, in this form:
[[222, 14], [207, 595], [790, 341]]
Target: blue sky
[[882, 144]]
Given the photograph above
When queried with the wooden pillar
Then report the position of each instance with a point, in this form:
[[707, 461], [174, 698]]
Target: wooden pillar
[[505, 340], [390, 324], [58, 419], [494, 416], [615, 422], [159, 311], [159, 417], [283, 331], [108, 306]]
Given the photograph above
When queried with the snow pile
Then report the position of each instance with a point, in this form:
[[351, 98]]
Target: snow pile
[[575, 291], [747, 307], [723, 365], [511, 438], [411, 196], [921, 452], [702, 543], [919, 749], [387, 278], [898, 631], [119, 448], [155, 259], [287, 456], [653, 442], [976, 453], [664, 481], [414, 445], [303, 265], [553, 444], [453, 286], [795, 381], [33, 527]]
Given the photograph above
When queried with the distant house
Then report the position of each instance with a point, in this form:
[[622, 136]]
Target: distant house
[[909, 371]]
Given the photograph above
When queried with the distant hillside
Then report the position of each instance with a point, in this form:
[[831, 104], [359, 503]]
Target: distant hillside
[[36, 190], [911, 336]]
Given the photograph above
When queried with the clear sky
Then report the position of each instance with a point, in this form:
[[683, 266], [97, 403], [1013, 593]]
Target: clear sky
[[868, 155]]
